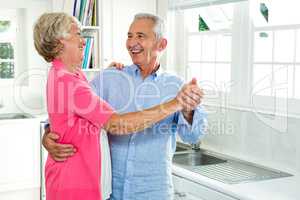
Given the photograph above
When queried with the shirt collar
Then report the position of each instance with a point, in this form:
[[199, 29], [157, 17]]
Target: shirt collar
[[57, 64], [154, 74]]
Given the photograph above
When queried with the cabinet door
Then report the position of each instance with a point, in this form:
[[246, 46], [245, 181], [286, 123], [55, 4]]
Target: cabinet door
[[20, 155], [189, 190], [117, 17]]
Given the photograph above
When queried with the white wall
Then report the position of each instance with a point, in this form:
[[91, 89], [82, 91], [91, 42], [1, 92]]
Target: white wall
[[117, 17], [252, 136]]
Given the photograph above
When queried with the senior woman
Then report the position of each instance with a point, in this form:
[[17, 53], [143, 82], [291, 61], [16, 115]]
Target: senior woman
[[77, 113]]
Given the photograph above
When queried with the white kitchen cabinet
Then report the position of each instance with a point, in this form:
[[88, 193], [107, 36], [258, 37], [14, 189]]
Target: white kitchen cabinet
[[185, 189], [20, 159]]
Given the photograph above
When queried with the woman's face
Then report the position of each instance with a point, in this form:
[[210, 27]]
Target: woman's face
[[73, 46]]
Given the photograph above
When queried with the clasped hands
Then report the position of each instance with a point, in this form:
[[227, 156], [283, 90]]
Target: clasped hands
[[189, 97]]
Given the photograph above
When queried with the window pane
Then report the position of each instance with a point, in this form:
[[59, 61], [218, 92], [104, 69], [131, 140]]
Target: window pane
[[284, 46], [223, 75], [6, 51], [279, 12], [208, 72], [297, 82], [209, 45], [194, 52], [216, 17], [298, 46], [194, 71], [6, 70], [223, 50], [4, 25], [202, 71], [8, 32], [263, 46], [262, 79], [283, 81], [7, 28], [191, 17], [205, 74]]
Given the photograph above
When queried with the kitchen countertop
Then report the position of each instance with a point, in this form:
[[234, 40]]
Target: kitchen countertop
[[287, 188]]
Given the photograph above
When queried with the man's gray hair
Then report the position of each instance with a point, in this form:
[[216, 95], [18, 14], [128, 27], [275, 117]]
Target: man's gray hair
[[159, 24]]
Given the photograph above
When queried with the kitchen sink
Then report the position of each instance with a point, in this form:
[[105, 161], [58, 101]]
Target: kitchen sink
[[9, 116], [181, 148], [186, 156], [196, 158], [222, 168]]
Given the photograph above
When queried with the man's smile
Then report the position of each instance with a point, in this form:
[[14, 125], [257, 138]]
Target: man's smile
[[136, 49]]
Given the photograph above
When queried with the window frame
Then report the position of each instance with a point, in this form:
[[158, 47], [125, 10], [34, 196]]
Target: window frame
[[11, 15], [240, 96], [289, 106]]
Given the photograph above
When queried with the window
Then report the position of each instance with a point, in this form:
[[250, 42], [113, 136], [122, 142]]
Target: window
[[251, 45], [7, 43], [276, 49], [209, 44]]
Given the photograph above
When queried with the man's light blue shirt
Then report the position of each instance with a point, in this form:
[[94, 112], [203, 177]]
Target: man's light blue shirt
[[142, 162]]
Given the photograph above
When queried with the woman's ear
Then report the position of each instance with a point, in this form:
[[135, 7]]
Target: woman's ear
[[61, 41], [60, 45]]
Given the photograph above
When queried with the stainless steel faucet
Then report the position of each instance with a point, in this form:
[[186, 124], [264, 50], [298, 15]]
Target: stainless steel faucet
[[196, 146]]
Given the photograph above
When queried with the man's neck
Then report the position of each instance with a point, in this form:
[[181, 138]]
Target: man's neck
[[148, 70]]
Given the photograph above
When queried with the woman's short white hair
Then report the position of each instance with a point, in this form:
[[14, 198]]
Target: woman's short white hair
[[159, 24], [49, 28]]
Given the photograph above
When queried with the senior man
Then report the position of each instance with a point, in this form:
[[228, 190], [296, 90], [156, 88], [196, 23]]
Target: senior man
[[142, 163]]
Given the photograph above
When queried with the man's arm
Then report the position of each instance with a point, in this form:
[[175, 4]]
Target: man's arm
[[122, 124], [118, 124], [192, 132], [188, 98], [192, 120]]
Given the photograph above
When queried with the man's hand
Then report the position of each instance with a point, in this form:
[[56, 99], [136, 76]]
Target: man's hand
[[190, 96], [117, 65], [59, 152]]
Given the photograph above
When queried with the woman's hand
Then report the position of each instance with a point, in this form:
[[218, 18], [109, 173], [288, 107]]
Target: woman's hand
[[117, 65]]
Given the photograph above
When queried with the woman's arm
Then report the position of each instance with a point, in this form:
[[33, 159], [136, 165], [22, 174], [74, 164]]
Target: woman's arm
[[123, 124]]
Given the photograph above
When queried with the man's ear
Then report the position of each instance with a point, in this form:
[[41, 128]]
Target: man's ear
[[162, 44]]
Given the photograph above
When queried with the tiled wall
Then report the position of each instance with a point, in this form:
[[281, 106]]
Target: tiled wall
[[264, 139]]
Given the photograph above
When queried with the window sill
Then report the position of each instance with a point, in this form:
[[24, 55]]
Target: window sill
[[257, 110]]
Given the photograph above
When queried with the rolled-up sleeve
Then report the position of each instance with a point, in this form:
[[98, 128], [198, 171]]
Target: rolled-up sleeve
[[89, 106], [192, 133]]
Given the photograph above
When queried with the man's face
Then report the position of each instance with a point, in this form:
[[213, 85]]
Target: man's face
[[141, 43]]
